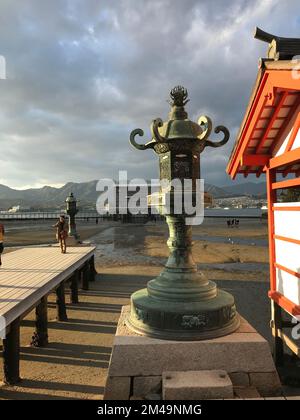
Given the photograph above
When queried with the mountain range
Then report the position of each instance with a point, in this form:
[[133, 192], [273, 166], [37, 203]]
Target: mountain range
[[85, 192], [251, 189]]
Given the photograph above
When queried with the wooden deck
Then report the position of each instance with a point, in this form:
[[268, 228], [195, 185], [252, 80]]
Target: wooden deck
[[30, 273], [27, 276]]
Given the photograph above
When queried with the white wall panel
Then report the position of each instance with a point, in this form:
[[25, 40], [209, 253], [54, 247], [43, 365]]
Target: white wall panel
[[288, 255], [288, 285], [287, 223]]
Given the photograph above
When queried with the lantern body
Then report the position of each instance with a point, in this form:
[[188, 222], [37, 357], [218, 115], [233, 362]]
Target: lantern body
[[181, 303], [72, 210]]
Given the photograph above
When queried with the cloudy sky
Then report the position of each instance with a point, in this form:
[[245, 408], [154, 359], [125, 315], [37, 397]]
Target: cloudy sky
[[81, 74]]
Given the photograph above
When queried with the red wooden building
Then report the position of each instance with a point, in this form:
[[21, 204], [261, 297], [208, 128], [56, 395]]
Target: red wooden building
[[269, 143]]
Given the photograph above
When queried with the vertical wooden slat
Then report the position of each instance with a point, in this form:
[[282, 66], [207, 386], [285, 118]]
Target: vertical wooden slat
[[278, 350], [74, 287], [11, 354], [85, 276], [93, 271], [271, 194], [61, 303], [40, 337]]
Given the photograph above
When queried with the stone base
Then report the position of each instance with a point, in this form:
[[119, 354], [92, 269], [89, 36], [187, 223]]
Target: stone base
[[138, 362], [72, 241], [196, 385]]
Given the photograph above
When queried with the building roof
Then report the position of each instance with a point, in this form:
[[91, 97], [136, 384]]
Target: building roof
[[274, 103]]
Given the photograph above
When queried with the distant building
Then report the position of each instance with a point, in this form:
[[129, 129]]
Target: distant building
[[18, 208]]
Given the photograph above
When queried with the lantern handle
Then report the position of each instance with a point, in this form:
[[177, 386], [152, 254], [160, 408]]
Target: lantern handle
[[206, 125], [222, 142], [139, 132], [158, 122]]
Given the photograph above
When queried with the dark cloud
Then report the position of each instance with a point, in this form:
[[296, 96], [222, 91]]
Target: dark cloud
[[82, 74]]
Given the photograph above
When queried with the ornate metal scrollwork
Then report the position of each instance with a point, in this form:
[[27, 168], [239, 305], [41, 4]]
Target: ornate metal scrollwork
[[141, 314], [139, 132], [219, 143], [206, 125], [156, 137], [158, 122], [192, 321]]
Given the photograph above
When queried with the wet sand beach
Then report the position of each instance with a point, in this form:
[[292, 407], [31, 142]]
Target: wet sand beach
[[22, 233], [74, 364]]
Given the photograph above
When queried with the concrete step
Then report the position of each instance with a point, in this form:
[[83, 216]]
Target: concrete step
[[196, 385]]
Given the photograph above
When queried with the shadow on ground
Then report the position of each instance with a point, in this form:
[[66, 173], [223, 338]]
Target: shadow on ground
[[74, 364]]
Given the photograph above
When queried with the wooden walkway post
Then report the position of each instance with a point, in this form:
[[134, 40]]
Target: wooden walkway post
[[61, 303], [40, 336], [74, 287], [93, 271], [11, 354], [85, 276]]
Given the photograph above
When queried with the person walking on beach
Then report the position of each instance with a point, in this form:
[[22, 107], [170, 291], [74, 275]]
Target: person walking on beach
[[1, 241], [61, 233]]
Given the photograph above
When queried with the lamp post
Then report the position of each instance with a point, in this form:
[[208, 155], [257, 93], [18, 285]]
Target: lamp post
[[181, 303], [72, 210]]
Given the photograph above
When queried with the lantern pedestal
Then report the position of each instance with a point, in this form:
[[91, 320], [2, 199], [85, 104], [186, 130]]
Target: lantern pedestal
[[181, 303], [138, 362], [72, 241], [186, 321], [72, 228]]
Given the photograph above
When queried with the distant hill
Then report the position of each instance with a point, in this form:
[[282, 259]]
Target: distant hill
[[46, 197], [216, 192], [87, 195], [248, 188]]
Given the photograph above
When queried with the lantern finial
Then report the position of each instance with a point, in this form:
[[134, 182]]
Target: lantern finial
[[179, 96]]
